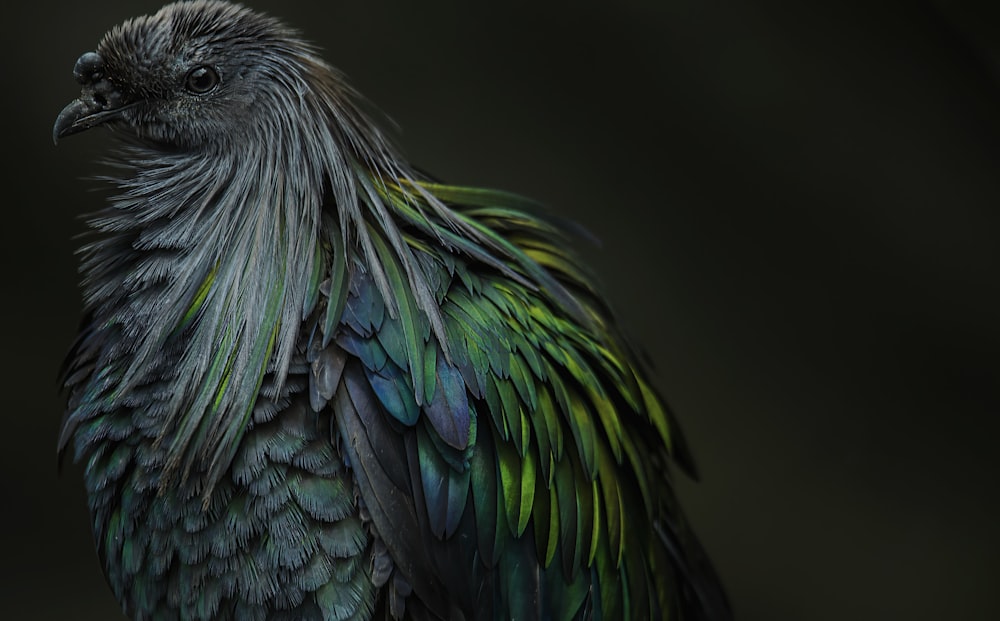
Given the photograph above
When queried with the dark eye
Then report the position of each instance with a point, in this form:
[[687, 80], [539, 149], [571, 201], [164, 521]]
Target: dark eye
[[201, 80]]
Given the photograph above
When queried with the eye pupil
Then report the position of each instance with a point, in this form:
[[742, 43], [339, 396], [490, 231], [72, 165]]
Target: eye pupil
[[201, 80]]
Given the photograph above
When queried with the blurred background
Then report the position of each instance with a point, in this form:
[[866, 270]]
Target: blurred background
[[797, 205]]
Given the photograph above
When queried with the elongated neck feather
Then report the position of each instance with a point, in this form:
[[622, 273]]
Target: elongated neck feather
[[207, 254]]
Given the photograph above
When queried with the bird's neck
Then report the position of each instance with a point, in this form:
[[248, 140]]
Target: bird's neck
[[206, 257]]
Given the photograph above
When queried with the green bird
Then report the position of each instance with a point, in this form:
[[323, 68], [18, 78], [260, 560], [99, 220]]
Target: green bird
[[314, 383]]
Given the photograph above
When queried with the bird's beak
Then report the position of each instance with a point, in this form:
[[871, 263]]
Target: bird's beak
[[99, 101]]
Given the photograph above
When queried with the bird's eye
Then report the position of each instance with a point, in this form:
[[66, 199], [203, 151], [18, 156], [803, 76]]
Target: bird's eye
[[201, 80]]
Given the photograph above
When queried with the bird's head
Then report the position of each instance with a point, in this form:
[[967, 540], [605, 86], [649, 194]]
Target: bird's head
[[192, 74]]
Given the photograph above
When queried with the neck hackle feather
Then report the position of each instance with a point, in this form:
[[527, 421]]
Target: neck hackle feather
[[215, 245]]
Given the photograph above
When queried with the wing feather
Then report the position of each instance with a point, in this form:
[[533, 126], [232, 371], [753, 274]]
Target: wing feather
[[526, 364]]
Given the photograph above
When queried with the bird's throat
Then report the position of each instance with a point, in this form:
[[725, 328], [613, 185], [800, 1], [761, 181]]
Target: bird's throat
[[204, 268]]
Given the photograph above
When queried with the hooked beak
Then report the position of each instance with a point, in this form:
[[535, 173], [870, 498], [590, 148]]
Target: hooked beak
[[100, 101]]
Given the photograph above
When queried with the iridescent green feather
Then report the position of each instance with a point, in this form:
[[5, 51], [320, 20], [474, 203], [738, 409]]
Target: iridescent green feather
[[410, 320], [524, 347], [545, 369]]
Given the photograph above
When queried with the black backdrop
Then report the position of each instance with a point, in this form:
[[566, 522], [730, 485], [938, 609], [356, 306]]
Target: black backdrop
[[798, 209]]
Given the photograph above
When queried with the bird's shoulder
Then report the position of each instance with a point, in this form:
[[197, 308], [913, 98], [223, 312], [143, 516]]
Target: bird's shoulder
[[529, 425]]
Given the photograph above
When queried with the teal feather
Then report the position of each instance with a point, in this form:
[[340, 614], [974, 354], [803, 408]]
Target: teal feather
[[368, 350], [430, 373], [544, 425], [395, 394], [391, 338], [475, 349], [458, 459], [364, 310], [445, 489], [524, 383], [338, 285], [448, 412], [475, 378], [324, 499], [487, 501], [313, 384], [507, 403], [412, 325]]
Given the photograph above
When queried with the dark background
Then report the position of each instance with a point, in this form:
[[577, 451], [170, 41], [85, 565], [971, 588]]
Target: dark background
[[798, 208]]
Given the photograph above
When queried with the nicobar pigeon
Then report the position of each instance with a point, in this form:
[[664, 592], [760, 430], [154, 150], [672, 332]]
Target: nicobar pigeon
[[314, 383]]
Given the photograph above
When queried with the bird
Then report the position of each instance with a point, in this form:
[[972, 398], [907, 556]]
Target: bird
[[314, 382]]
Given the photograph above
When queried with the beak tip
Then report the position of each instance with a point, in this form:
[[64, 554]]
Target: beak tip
[[68, 120]]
